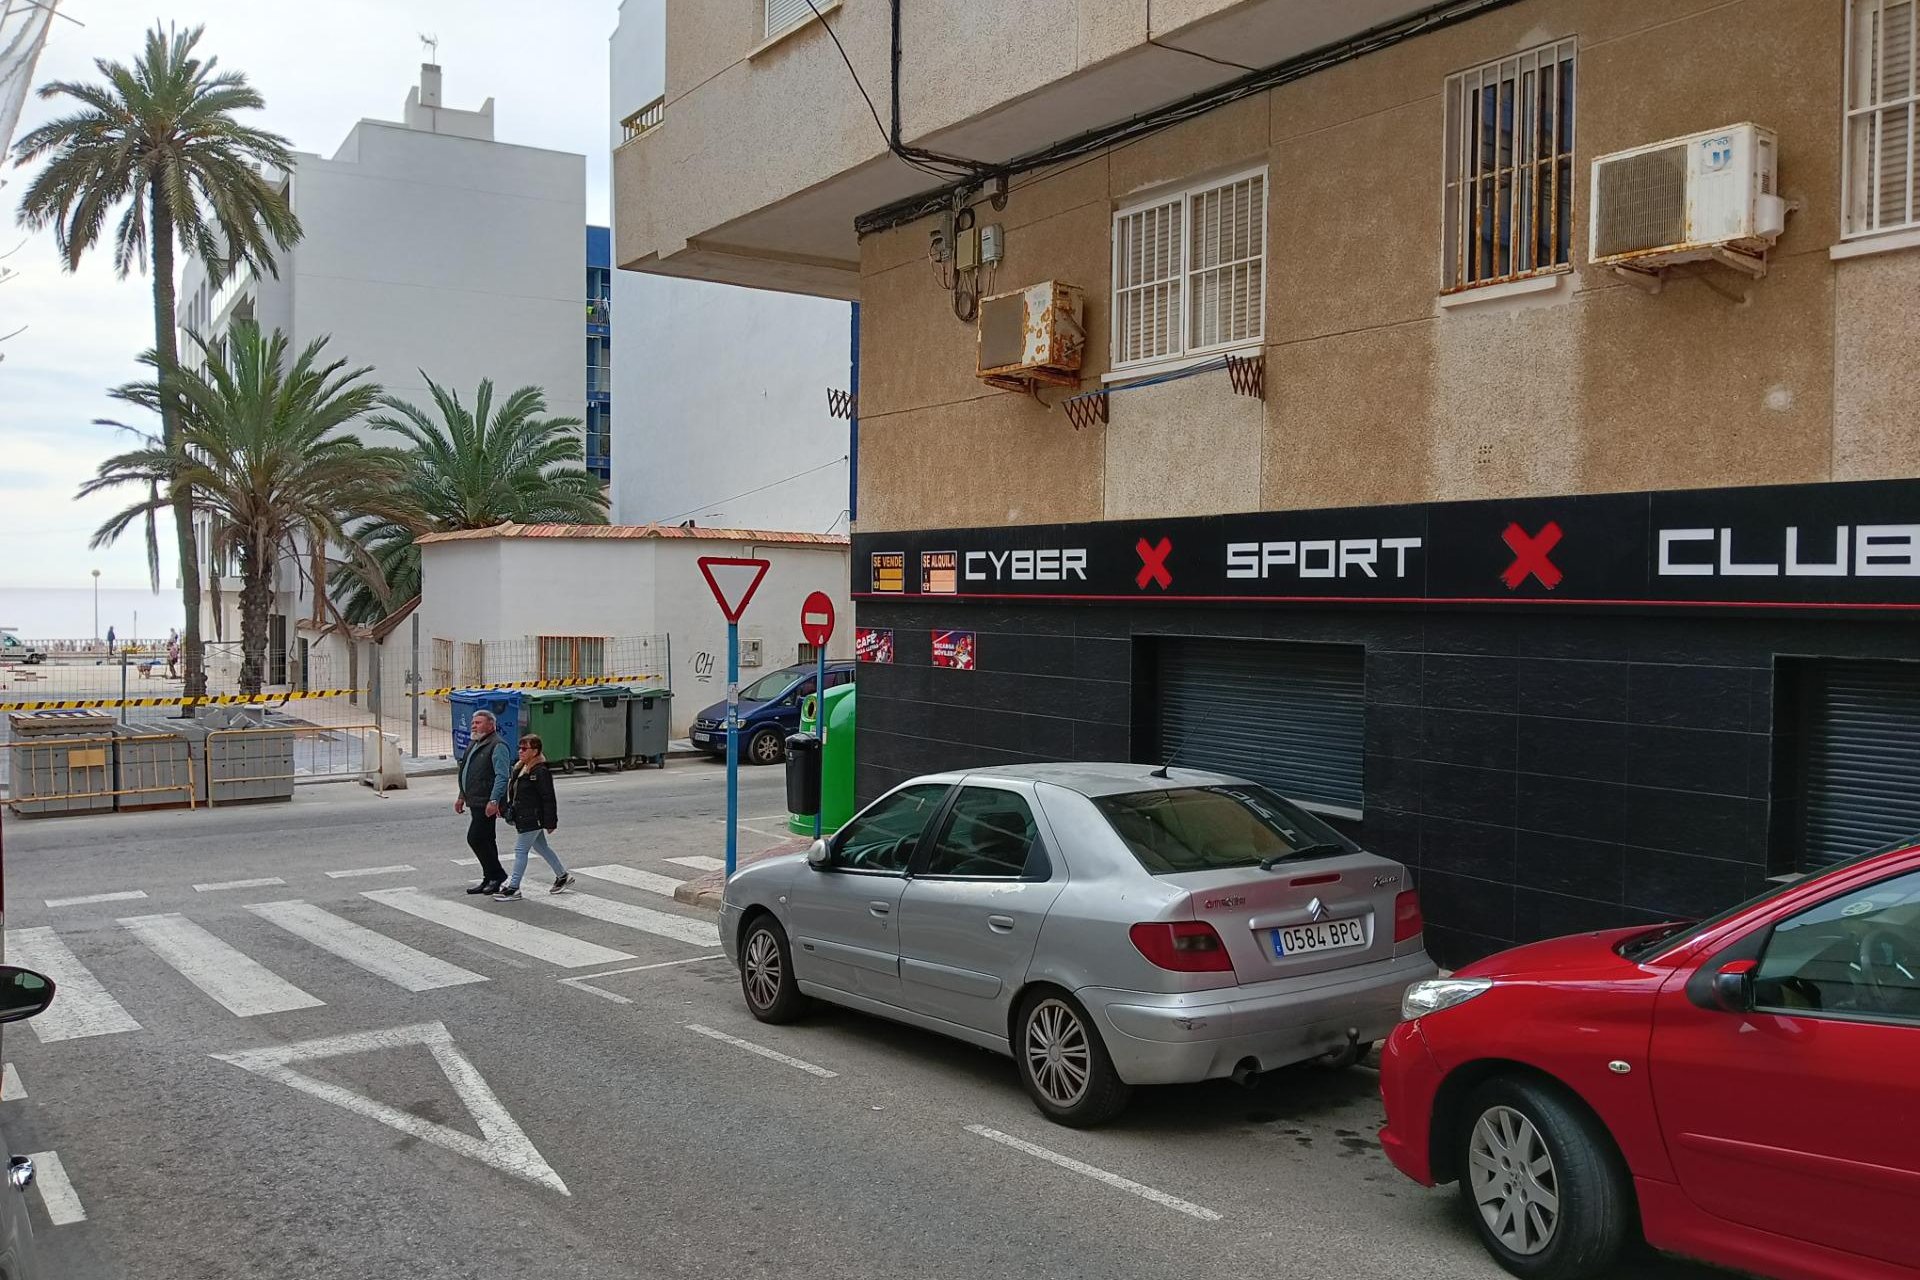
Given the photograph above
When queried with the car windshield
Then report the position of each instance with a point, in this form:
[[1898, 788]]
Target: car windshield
[[1209, 828], [1685, 931], [771, 685]]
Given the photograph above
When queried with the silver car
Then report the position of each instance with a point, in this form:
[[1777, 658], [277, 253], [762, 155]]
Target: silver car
[[1105, 925]]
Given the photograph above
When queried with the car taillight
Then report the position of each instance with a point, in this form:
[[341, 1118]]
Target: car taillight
[[1407, 921], [1184, 946]]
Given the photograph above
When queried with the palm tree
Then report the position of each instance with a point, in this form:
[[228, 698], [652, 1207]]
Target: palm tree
[[466, 469], [262, 447], [160, 137]]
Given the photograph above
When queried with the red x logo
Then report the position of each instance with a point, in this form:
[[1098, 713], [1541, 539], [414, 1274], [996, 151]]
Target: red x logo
[[1530, 556], [1153, 564]]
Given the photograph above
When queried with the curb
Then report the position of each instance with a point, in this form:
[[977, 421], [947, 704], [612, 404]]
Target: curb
[[707, 889]]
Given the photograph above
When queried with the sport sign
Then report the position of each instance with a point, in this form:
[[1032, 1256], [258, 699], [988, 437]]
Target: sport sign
[[816, 620]]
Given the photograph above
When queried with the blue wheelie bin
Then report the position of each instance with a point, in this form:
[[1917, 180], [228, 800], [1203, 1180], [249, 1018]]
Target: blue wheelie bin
[[505, 705]]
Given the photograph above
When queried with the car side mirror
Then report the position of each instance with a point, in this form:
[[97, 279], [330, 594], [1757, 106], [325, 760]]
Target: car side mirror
[[23, 993], [819, 855], [1733, 986]]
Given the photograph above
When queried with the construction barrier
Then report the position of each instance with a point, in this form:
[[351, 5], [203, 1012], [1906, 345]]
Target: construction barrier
[[98, 773], [275, 699]]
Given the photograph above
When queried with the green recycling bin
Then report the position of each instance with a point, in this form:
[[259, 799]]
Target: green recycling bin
[[836, 761], [549, 713]]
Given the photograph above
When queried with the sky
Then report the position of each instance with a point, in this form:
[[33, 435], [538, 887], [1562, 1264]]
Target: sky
[[320, 69]]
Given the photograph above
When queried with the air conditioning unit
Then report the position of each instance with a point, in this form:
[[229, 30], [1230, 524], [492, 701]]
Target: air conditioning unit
[[750, 652], [1033, 336], [1707, 196]]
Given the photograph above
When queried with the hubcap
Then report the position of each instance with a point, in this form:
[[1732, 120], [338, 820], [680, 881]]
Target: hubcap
[[1058, 1056], [762, 969], [1515, 1184], [766, 748]]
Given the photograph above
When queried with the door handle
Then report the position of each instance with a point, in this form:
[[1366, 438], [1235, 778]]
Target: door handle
[[1000, 924], [879, 908]]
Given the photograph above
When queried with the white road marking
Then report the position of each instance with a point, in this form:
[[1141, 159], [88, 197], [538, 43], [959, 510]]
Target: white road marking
[[638, 968], [1098, 1175], [633, 879], [56, 1190], [762, 1050], [464, 862], [229, 977], [375, 952], [126, 895], [698, 933], [265, 882], [604, 995], [499, 929], [503, 1145], [700, 862], [371, 871], [10, 1086], [81, 1006]]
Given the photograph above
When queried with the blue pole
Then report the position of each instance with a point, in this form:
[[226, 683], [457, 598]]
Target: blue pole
[[820, 732], [733, 747]]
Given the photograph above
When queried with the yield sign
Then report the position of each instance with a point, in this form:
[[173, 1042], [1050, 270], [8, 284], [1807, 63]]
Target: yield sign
[[733, 582], [504, 1147]]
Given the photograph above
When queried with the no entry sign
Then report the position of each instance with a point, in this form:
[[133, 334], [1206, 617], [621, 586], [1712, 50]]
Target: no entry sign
[[816, 619]]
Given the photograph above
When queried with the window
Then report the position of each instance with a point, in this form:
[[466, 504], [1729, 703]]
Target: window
[[442, 663], [1881, 179], [572, 657], [884, 837], [473, 663], [784, 15], [773, 684], [989, 835], [1212, 828], [1857, 954], [1509, 168], [1189, 272]]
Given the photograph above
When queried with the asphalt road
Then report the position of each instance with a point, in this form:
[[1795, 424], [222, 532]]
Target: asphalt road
[[446, 1099]]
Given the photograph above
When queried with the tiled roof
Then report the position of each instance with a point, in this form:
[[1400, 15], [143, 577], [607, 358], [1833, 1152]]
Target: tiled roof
[[626, 531]]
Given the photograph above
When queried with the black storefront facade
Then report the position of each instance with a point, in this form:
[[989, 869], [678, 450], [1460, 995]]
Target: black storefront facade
[[1564, 713]]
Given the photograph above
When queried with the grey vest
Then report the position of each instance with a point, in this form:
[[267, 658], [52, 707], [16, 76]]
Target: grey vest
[[476, 770]]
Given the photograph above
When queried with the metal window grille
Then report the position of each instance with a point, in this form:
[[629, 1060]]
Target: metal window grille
[[1881, 185], [783, 15], [1509, 167], [571, 657], [1189, 271]]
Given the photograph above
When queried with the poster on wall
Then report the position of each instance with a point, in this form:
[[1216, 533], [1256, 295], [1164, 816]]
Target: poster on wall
[[871, 644], [954, 649], [940, 573]]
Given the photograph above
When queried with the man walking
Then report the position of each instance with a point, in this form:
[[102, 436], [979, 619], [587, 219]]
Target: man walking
[[484, 771]]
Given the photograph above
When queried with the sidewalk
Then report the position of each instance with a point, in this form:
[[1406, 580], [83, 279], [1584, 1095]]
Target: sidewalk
[[440, 766]]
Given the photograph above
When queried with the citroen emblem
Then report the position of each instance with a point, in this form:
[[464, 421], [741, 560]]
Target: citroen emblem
[[1316, 910]]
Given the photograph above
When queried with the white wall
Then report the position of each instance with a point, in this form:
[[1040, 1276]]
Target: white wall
[[719, 390]]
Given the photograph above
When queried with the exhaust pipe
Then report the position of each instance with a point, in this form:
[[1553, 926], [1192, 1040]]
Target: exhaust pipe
[[1244, 1071]]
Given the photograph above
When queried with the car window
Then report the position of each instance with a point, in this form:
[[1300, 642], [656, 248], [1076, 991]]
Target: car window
[[1206, 828], [769, 686], [988, 833], [884, 837], [837, 678], [1856, 954]]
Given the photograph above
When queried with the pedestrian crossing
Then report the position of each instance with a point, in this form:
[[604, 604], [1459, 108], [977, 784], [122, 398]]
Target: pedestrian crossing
[[225, 960]]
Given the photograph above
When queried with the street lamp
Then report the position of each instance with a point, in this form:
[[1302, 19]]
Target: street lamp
[[96, 606]]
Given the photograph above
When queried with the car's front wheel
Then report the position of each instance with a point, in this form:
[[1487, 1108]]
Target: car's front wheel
[[766, 747], [1543, 1181], [1064, 1064], [766, 973]]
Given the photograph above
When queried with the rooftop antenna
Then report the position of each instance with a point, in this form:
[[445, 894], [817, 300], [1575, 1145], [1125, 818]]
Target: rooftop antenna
[[432, 45]]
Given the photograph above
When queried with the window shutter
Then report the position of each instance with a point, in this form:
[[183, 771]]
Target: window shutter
[[1862, 759], [1227, 259], [1894, 85], [1147, 287], [783, 14]]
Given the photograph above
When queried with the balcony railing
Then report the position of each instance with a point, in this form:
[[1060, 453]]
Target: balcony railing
[[643, 119], [599, 311]]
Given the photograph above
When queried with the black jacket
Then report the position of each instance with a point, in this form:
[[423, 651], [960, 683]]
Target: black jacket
[[530, 802]]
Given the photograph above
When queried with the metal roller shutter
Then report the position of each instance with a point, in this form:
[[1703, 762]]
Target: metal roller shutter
[[782, 14], [1863, 758], [1289, 716]]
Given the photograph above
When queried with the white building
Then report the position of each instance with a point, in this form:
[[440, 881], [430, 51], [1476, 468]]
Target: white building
[[543, 602], [429, 247], [722, 391]]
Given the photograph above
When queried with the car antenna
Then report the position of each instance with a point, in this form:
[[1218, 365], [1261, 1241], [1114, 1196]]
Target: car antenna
[[1178, 751]]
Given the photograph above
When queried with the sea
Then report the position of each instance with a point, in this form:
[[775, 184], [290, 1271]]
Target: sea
[[67, 613]]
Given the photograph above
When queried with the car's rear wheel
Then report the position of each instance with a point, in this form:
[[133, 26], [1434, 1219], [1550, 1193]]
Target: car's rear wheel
[[766, 747], [1063, 1063], [1543, 1182], [766, 973]]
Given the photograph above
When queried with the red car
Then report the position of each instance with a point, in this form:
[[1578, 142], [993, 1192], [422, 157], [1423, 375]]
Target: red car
[[1744, 1091]]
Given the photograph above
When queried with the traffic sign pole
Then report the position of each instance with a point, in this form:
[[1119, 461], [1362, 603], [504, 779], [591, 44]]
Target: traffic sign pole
[[733, 747], [820, 727]]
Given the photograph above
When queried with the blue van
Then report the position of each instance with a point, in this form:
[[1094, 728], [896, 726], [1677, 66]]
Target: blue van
[[769, 711]]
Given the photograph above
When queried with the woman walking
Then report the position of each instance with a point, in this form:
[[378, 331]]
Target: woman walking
[[534, 812]]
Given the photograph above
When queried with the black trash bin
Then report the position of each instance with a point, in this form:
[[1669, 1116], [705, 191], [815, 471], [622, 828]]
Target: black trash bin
[[803, 774]]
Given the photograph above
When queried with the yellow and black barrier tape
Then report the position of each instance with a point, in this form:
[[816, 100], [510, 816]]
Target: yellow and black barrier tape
[[571, 682], [209, 700]]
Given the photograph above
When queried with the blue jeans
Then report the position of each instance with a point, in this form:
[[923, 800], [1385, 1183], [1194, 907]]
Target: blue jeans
[[528, 841]]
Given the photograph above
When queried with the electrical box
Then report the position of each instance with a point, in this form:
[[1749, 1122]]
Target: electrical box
[[966, 249], [1712, 195], [993, 244], [1033, 336], [941, 237], [750, 651]]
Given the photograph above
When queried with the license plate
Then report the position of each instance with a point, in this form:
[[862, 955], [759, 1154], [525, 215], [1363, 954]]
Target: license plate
[[702, 737], [1323, 935]]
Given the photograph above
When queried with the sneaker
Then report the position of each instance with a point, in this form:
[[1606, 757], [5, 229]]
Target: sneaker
[[564, 882], [508, 893]]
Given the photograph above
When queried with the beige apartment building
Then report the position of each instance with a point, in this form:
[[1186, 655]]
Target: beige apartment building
[[1588, 588]]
